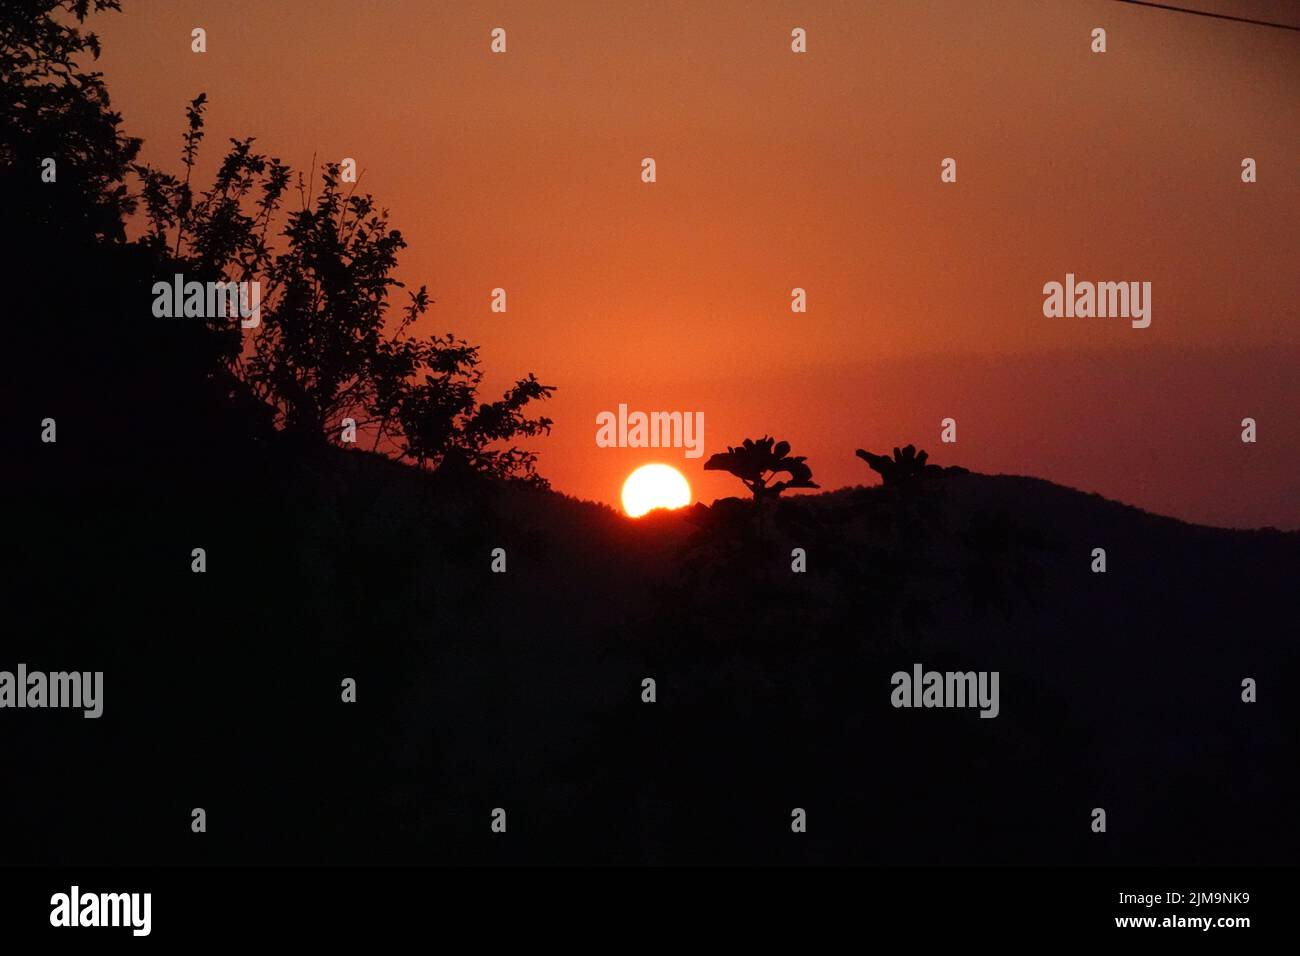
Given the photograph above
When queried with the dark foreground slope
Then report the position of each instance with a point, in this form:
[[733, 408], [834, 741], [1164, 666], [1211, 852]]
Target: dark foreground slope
[[522, 690]]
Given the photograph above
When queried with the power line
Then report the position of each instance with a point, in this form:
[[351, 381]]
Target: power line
[[1206, 13]]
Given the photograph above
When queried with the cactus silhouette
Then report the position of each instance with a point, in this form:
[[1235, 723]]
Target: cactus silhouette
[[758, 463], [905, 467]]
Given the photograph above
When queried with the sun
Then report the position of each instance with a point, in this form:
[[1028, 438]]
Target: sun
[[654, 486]]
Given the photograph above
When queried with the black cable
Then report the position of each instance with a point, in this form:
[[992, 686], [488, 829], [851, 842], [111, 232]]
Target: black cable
[[1206, 13]]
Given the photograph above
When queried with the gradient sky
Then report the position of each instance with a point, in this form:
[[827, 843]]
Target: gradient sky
[[778, 170]]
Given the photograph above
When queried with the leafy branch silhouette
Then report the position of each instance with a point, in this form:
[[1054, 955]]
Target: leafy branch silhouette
[[758, 463]]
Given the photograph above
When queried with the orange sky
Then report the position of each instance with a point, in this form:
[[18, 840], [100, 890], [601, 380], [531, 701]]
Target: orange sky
[[778, 170]]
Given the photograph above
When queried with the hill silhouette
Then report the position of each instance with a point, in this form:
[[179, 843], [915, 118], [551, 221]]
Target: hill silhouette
[[523, 689]]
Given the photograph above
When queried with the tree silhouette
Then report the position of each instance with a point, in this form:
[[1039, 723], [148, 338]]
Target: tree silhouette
[[87, 347], [51, 108], [758, 463], [325, 350], [905, 467]]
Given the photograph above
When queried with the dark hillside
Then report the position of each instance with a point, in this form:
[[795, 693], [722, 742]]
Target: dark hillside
[[523, 690]]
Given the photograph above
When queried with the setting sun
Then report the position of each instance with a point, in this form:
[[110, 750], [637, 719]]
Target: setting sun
[[654, 486]]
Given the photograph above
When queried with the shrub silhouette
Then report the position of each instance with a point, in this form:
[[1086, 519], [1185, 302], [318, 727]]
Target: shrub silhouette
[[756, 463], [905, 467]]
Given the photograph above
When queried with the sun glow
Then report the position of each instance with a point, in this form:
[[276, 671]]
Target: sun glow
[[654, 486]]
